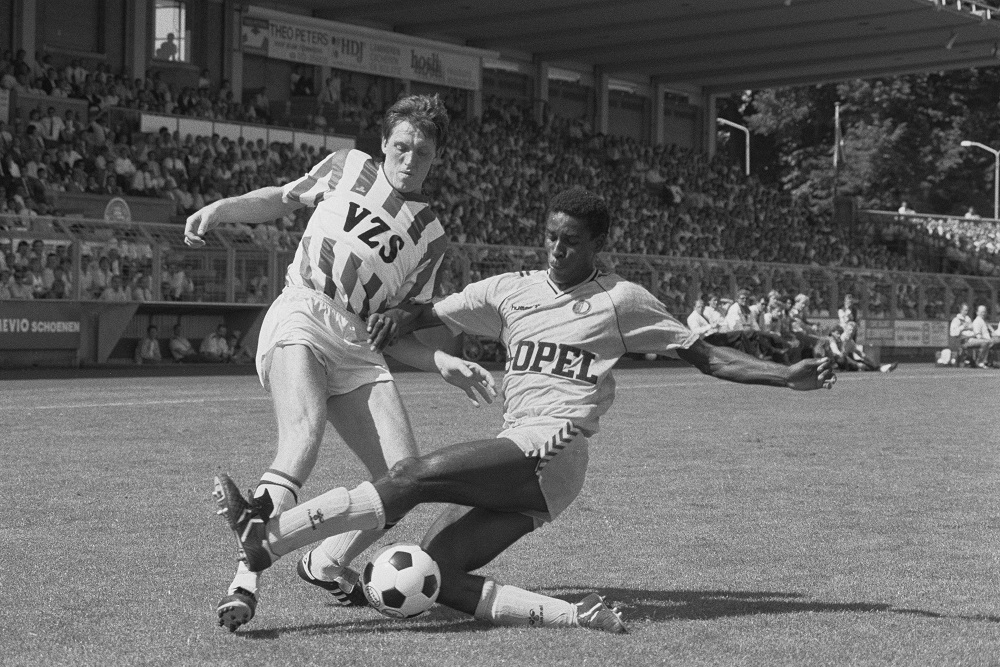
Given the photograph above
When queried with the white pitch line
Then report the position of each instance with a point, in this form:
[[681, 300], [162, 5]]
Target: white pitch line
[[698, 381]]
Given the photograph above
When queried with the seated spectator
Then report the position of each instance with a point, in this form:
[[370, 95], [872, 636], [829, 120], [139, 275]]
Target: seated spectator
[[698, 323], [714, 314], [181, 349], [982, 331], [148, 349], [739, 317], [215, 346], [142, 287], [181, 287], [962, 341], [238, 354], [23, 286], [843, 349], [114, 291], [6, 282]]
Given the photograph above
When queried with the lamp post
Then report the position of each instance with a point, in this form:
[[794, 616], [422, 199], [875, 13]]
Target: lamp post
[[996, 174], [746, 130]]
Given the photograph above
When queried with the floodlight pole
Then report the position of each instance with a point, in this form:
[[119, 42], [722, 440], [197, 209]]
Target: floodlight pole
[[744, 129], [996, 174]]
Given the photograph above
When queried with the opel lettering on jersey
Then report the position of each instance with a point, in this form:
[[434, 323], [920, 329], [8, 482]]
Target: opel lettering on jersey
[[560, 359]]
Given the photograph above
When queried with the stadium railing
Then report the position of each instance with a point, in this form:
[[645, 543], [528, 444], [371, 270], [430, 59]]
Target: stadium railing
[[952, 244], [240, 270]]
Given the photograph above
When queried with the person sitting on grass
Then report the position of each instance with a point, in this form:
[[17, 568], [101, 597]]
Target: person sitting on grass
[[848, 355]]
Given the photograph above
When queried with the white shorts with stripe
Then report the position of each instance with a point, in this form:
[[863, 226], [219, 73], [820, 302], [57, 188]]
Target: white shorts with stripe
[[562, 451], [338, 338]]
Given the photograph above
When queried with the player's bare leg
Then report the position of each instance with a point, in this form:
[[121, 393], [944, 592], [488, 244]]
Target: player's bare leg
[[463, 540], [374, 424], [298, 393]]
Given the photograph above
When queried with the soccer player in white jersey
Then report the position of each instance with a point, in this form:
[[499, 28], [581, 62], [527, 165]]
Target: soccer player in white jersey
[[564, 329], [372, 243]]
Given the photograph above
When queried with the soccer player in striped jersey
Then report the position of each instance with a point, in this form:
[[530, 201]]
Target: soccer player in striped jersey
[[564, 329], [371, 243]]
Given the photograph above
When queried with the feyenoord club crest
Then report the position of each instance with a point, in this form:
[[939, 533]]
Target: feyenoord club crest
[[581, 307]]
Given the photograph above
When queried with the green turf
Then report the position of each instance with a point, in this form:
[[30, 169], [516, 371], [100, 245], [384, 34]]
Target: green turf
[[736, 525]]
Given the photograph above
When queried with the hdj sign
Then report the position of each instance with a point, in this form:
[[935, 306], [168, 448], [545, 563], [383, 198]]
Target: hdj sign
[[429, 66]]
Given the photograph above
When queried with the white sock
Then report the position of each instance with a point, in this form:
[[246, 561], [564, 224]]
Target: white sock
[[335, 553], [512, 606], [283, 489], [284, 492], [332, 513]]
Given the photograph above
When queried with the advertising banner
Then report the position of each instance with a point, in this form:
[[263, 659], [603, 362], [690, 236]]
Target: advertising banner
[[918, 333], [347, 47], [39, 325]]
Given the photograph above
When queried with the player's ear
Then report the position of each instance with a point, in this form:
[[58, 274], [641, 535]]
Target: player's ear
[[600, 242]]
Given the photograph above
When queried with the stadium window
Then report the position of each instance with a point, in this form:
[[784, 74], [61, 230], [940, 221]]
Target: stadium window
[[171, 38]]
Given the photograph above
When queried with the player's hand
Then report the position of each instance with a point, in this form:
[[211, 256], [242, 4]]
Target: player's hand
[[473, 379], [199, 223], [811, 374], [383, 329]]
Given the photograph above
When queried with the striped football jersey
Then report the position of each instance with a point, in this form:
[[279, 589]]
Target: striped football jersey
[[561, 346], [367, 245]]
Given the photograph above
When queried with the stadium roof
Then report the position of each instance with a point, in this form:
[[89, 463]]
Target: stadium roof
[[718, 45]]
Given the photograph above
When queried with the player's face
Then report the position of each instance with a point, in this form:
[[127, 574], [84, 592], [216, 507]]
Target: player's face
[[409, 154], [571, 249]]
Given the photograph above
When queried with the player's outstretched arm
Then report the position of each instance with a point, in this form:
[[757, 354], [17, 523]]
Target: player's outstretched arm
[[261, 205], [387, 327], [473, 379], [735, 366]]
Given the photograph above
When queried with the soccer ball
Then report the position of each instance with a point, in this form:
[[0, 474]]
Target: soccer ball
[[402, 581]]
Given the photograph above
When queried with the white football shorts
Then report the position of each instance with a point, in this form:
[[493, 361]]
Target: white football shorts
[[562, 451], [338, 338]]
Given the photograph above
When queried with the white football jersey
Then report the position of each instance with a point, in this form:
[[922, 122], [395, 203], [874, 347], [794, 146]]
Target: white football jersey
[[561, 346], [367, 245]]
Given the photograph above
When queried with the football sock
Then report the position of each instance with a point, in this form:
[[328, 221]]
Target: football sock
[[332, 513], [512, 606], [335, 553], [284, 492], [283, 489]]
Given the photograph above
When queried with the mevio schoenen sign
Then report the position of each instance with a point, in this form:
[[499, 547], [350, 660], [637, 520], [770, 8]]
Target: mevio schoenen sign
[[39, 325]]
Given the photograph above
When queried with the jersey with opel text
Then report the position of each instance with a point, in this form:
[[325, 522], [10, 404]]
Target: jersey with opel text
[[560, 345], [367, 245]]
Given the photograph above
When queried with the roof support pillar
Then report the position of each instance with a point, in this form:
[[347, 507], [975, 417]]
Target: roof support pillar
[[601, 79], [708, 123], [541, 91], [659, 113]]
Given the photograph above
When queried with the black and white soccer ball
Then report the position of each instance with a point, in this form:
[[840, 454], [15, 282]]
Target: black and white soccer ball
[[401, 581]]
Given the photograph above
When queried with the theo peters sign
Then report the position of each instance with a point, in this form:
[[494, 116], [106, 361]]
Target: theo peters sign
[[327, 43], [39, 325]]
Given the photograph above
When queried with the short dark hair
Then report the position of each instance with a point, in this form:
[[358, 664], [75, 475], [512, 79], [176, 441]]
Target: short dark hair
[[427, 113], [583, 204]]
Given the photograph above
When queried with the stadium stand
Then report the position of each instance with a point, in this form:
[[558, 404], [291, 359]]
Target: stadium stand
[[687, 224]]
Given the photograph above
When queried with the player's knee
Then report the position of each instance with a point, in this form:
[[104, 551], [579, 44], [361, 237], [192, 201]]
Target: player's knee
[[407, 474]]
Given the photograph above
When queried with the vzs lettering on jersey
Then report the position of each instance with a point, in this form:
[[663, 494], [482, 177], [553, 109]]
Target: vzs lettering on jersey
[[554, 358], [389, 251]]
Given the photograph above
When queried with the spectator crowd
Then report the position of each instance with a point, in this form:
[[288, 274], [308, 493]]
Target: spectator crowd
[[490, 188]]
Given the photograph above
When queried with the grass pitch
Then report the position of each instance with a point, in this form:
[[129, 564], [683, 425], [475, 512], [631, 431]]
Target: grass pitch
[[736, 525]]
